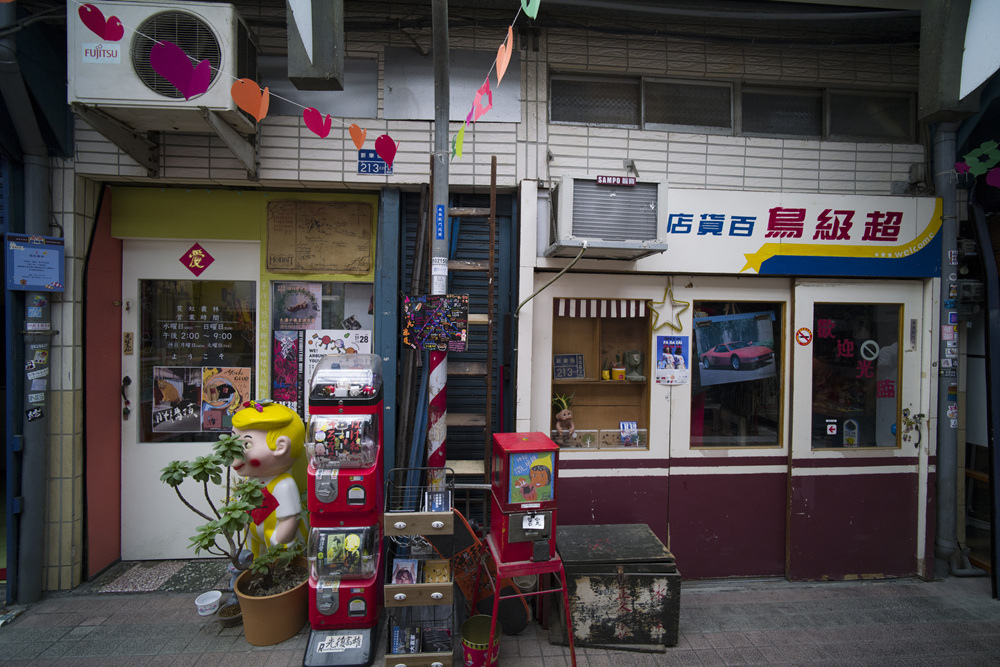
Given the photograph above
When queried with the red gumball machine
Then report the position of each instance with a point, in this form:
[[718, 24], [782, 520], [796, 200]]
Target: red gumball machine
[[345, 499], [523, 485]]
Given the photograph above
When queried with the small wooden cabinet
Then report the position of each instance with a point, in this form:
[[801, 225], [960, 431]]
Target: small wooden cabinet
[[601, 405]]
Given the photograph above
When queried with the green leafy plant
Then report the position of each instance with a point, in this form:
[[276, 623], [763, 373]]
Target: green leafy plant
[[225, 532]]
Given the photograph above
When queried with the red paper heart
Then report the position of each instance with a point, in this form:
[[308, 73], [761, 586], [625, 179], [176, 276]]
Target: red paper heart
[[386, 149], [358, 135], [170, 62], [993, 177], [315, 122], [249, 97], [110, 30]]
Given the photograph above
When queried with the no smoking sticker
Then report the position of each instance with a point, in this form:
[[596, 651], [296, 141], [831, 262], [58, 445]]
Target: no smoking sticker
[[803, 336]]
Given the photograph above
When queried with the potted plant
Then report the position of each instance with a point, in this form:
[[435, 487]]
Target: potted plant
[[242, 514]]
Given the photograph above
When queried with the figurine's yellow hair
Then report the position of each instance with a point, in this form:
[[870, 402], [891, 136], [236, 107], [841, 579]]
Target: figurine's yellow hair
[[277, 420]]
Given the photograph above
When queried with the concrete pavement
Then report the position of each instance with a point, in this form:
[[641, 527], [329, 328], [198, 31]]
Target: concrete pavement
[[899, 622]]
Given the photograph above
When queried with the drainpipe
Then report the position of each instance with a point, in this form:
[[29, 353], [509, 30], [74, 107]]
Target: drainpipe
[[36, 342], [949, 558]]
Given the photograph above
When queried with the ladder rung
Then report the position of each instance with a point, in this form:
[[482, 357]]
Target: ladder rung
[[466, 367], [467, 212], [464, 419], [463, 467], [470, 265], [479, 318]]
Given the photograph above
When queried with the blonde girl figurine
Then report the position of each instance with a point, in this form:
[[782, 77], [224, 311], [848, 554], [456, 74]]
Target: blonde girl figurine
[[273, 437]]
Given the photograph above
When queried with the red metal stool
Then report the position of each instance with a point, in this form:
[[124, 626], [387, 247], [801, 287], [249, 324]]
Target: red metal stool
[[519, 569]]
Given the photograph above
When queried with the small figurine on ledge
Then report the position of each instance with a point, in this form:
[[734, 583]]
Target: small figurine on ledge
[[564, 417]]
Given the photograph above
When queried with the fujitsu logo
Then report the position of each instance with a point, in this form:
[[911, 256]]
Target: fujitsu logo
[[101, 53]]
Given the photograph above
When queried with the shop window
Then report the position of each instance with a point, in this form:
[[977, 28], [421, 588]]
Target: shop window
[[856, 375], [736, 374], [197, 356], [782, 112], [600, 369], [309, 320], [596, 100]]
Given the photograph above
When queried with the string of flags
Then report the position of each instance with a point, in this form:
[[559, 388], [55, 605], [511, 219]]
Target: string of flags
[[192, 78]]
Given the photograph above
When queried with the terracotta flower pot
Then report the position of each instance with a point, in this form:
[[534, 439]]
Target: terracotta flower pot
[[273, 619]]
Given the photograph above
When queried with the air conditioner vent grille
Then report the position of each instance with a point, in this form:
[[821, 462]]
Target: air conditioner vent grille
[[188, 32], [614, 213]]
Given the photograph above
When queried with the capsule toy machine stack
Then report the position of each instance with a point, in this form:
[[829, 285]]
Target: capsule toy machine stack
[[523, 486], [345, 499]]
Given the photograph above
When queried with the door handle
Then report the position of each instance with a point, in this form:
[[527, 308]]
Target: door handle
[[126, 381]]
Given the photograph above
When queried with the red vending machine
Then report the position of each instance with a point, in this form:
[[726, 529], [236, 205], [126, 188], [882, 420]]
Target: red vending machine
[[345, 499], [523, 485]]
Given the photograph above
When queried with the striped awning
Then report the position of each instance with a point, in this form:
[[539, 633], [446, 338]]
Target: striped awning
[[599, 307]]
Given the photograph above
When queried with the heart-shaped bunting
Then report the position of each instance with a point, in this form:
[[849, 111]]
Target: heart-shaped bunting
[[170, 62], [249, 97], [314, 121], [358, 135], [110, 30], [530, 7], [386, 149], [477, 106], [504, 53]]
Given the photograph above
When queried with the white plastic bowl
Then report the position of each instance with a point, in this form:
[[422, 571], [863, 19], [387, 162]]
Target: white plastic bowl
[[208, 603]]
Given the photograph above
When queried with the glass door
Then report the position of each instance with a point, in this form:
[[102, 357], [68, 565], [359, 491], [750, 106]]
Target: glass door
[[854, 507]]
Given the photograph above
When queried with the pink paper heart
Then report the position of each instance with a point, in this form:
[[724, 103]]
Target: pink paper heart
[[358, 135], [386, 149], [993, 177], [110, 30], [477, 106], [504, 53], [170, 62], [315, 122]]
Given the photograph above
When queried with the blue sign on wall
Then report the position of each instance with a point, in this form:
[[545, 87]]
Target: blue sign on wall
[[370, 163], [35, 263]]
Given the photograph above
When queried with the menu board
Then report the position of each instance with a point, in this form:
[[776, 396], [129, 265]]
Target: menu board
[[319, 237]]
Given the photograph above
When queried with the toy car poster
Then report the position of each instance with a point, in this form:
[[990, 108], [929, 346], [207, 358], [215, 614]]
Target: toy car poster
[[530, 478], [673, 361], [735, 348], [436, 322]]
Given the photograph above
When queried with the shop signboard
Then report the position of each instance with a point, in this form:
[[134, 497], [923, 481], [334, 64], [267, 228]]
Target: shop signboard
[[778, 233]]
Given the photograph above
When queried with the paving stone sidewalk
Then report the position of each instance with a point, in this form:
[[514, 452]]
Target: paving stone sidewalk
[[900, 622]]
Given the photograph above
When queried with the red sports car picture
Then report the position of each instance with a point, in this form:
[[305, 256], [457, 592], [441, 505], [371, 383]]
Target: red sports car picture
[[737, 355]]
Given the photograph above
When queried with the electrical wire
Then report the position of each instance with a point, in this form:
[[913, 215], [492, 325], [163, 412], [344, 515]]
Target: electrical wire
[[558, 275]]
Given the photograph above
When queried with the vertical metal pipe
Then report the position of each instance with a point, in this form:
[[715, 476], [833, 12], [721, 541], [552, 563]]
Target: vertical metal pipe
[[437, 382]]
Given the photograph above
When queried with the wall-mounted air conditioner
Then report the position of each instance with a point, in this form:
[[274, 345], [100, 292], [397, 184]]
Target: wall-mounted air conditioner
[[117, 78], [613, 217]]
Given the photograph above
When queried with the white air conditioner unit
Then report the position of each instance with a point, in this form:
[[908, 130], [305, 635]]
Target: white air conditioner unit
[[612, 221], [117, 78]]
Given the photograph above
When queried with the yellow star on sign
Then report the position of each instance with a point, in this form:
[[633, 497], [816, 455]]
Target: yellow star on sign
[[668, 295]]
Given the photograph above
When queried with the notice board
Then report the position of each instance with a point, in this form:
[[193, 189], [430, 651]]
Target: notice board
[[319, 237]]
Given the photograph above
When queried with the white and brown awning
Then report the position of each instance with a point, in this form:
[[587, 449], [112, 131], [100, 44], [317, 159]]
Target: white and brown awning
[[600, 307]]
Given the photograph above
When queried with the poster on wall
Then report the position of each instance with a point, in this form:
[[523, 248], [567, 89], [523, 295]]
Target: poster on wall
[[735, 348], [436, 322], [176, 399], [319, 237], [287, 359], [223, 392], [297, 305], [672, 360]]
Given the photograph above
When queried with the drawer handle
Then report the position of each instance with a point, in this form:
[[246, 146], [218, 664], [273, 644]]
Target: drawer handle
[[400, 664], [437, 664], [399, 525], [437, 596], [399, 597], [437, 524]]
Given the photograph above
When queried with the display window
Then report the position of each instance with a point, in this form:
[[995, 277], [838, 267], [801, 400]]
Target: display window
[[309, 320], [856, 375], [736, 369]]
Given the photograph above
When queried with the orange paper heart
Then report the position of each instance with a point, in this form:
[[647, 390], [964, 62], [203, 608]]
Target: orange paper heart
[[358, 135], [249, 97], [503, 54]]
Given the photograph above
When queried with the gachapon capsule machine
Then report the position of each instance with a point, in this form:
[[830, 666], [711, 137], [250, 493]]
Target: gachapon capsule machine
[[523, 485], [345, 499]]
